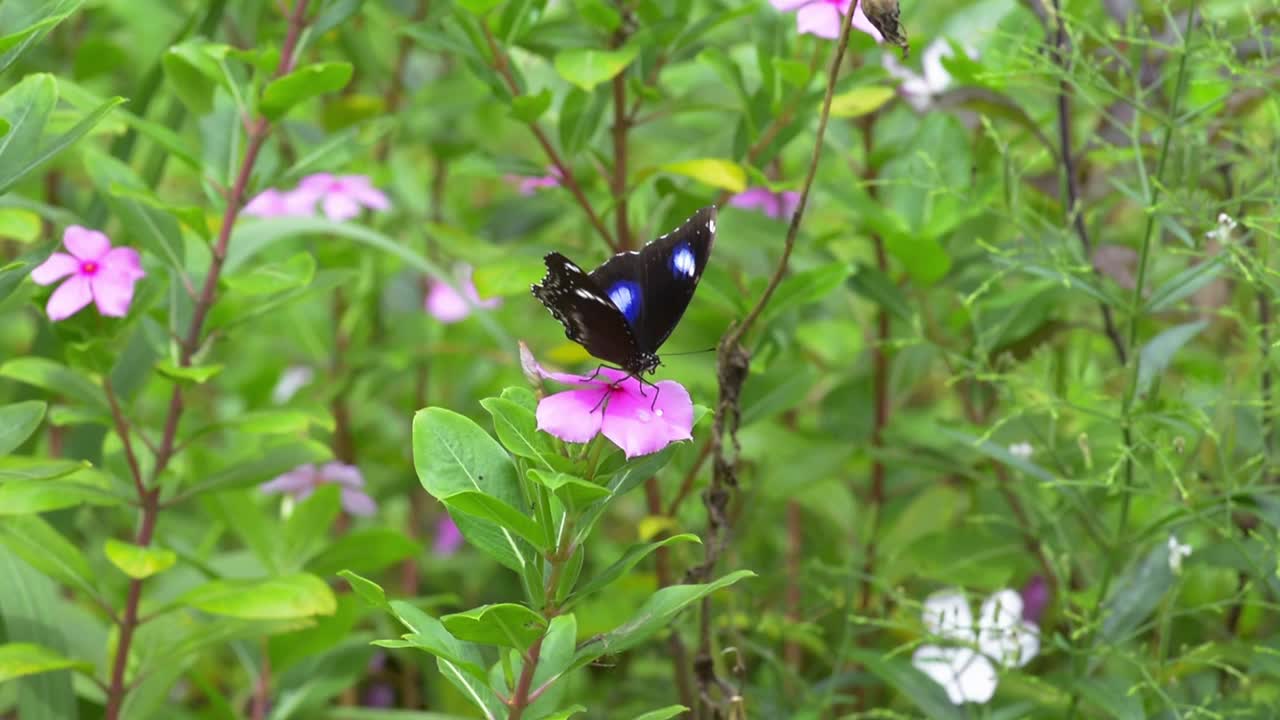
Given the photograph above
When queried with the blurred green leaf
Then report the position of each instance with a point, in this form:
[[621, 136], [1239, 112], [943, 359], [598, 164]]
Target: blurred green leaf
[[367, 550], [721, 174], [283, 94], [622, 566], [138, 562], [1155, 356], [144, 222], [528, 108], [85, 487], [430, 635], [19, 224], [33, 611], [26, 22], [17, 422], [665, 713], [503, 624], [912, 684], [860, 101], [26, 107], [198, 374], [587, 68], [454, 456], [298, 595], [20, 659], [368, 590], [38, 543], [193, 71], [1136, 594]]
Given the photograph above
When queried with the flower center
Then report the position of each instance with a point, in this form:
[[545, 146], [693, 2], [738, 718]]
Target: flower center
[[88, 267]]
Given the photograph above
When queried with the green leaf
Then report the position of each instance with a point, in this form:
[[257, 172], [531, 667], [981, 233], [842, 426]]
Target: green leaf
[[299, 595], [429, 634], [623, 565], [453, 455], [368, 550], [587, 68], [262, 466], [809, 286], [1156, 355], [34, 611], [42, 547], [653, 617], [665, 713], [272, 278], [481, 505], [1185, 284], [1136, 595], [199, 374], [282, 422], [558, 648], [507, 276], [912, 684], [154, 229], [26, 107], [192, 69], [307, 528], [368, 590], [528, 108], [503, 624], [138, 562], [17, 422], [20, 224], [872, 284], [24, 467], [84, 487], [284, 93], [480, 7], [517, 428], [572, 490], [32, 21], [48, 150], [721, 174], [21, 659], [860, 101]]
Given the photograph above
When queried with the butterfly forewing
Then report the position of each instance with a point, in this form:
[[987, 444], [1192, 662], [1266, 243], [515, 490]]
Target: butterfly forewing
[[653, 287], [589, 317]]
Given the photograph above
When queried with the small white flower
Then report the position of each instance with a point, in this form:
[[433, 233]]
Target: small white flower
[[1177, 552], [291, 381], [967, 669], [1021, 450], [1222, 233], [919, 89]]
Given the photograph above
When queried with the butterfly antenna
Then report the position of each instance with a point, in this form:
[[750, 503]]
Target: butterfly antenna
[[689, 352]]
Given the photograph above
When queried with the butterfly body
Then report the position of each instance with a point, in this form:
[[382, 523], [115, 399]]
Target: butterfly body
[[624, 310]]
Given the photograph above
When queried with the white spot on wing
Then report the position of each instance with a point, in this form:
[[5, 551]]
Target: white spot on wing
[[622, 297], [711, 225], [683, 261]]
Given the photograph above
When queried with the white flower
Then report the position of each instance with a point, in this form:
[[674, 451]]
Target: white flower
[[1222, 233], [1021, 450], [920, 88], [1177, 551], [967, 669], [291, 381]]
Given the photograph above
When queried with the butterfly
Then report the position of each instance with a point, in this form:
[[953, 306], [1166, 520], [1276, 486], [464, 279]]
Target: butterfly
[[624, 310]]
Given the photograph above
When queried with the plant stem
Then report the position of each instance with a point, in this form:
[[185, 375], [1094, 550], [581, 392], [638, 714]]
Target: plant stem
[[503, 65], [149, 493], [523, 696]]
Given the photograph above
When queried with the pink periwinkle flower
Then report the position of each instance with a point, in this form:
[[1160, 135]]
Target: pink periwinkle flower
[[778, 205], [823, 17], [98, 273], [448, 306], [621, 407], [1035, 598], [528, 185], [341, 196], [303, 480], [280, 203], [448, 538]]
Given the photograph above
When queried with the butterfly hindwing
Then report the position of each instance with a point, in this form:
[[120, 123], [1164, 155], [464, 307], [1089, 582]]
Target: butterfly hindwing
[[589, 317], [653, 287]]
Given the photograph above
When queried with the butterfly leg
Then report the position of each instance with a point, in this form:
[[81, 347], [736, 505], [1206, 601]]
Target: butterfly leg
[[653, 405], [599, 367]]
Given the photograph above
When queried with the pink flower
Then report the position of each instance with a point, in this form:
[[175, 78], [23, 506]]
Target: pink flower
[[528, 185], [448, 538], [446, 305], [275, 203], [619, 406], [303, 480], [822, 17], [780, 205], [340, 196], [99, 273]]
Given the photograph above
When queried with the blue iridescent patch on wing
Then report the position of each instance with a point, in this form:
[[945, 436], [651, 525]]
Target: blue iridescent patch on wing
[[683, 262], [626, 296]]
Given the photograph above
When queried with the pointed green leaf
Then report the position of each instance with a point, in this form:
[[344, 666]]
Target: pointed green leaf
[[717, 173], [622, 565], [138, 562], [286, 597], [20, 659], [504, 624], [282, 94], [26, 107], [17, 422], [587, 68]]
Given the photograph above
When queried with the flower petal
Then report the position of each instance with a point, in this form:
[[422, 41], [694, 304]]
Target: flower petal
[[371, 197], [603, 375], [296, 480], [70, 298], [974, 674], [445, 304], [113, 292], [268, 203], [1001, 610], [569, 415], [125, 261], [788, 5], [448, 538], [58, 266], [84, 243], [937, 662], [320, 183], [947, 615], [291, 381], [358, 502], [819, 18], [1002, 634], [348, 476], [339, 207], [640, 426]]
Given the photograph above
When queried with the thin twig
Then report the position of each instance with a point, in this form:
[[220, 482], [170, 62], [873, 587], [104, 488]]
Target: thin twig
[[503, 65]]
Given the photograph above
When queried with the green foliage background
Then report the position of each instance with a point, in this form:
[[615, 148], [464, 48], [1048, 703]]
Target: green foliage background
[[1033, 258]]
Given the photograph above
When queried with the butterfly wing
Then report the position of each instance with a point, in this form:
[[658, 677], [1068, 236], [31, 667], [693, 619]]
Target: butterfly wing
[[589, 317], [653, 287]]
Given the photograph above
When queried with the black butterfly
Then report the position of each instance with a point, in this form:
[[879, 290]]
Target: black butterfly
[[624, 310]]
